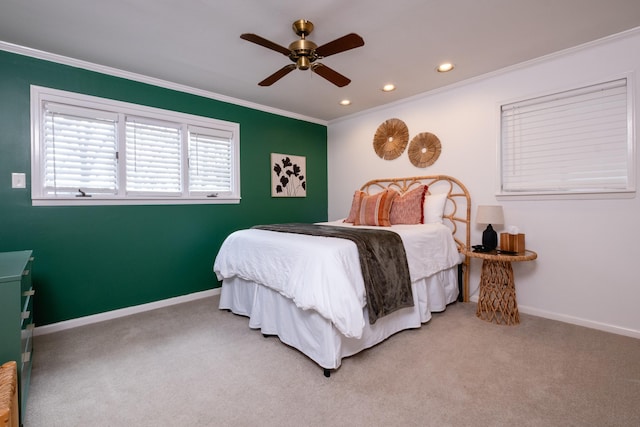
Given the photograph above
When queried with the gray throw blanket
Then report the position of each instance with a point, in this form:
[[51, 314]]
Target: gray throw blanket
[[382, 258]]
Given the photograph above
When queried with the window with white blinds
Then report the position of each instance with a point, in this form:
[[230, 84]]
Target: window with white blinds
[[79, 151], [210, 161], [88, 150], [153, 159], [575, 142]]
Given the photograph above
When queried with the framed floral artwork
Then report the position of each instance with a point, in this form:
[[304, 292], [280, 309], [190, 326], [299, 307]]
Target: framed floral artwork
[[288, 175]]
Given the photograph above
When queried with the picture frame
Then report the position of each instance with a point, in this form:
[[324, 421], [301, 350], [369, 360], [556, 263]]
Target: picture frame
[[288, 175]]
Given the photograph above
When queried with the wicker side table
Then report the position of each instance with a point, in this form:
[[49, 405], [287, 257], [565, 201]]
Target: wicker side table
[[497, 296], [9, 395]]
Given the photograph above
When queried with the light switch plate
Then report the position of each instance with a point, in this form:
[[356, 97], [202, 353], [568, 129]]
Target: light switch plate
[[18, 180]]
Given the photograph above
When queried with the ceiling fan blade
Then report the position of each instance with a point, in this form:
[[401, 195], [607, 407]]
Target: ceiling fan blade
[[277, 75], [350, 41], [254, 38], [329, 74]]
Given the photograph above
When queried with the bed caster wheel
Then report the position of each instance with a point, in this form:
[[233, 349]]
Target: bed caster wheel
[[327, 373]]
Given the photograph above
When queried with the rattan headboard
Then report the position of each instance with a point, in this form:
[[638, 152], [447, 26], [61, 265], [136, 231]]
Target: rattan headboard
[[457, 213]]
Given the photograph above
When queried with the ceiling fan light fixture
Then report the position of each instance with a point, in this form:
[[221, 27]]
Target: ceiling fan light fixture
[[388, 87], [445, 67]]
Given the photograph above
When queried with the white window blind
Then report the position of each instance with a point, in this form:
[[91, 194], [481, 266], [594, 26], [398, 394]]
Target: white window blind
[[577, 141], [89, 151], [210, 160], [153, 157], [79, 151]]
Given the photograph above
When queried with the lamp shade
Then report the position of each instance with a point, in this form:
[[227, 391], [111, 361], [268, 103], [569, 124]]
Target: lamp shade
[[490, 215]]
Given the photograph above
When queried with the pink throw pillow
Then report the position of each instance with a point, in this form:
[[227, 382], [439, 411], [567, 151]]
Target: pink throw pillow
[[407, 208], [355, 206]]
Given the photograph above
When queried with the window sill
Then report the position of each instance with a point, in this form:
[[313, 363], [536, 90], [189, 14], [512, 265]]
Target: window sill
[[627, 194], [103, 201]]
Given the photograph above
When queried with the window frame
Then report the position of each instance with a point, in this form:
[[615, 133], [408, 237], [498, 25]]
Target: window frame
[[41, 95], [600, 193]]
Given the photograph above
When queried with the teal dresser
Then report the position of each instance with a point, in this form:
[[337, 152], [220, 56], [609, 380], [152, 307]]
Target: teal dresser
[[16, 317]]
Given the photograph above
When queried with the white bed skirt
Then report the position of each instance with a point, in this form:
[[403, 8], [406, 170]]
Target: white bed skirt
[[314, 335]]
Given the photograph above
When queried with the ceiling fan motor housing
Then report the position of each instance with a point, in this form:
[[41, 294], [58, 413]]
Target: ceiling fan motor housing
[[303, 53]]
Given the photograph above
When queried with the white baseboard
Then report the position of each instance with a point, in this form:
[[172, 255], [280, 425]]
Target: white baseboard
[[101, 317], [114, 314], [574, 320]]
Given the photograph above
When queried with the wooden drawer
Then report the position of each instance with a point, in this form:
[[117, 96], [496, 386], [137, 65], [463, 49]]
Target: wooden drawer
[[25, 363], [25, 283], [26, 333], [26, 313]]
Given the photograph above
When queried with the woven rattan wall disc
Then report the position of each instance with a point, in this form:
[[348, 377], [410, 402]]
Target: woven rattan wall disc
[[424, 149], [391, 139]]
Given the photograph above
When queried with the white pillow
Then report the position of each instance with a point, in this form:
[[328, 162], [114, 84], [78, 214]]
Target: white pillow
[[434, 207]]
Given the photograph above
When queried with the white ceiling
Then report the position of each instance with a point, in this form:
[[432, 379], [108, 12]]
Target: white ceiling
[[197, 43]]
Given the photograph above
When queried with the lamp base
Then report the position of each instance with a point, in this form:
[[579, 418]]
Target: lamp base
[[489, 238]]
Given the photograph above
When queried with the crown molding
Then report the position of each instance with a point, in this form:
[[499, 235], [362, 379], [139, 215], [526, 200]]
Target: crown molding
[[77, 63], [595, 43]]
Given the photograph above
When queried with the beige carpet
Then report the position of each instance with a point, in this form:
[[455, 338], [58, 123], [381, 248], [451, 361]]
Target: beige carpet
[[194, 365]]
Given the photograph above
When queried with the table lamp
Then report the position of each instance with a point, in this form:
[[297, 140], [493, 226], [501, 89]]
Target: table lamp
[[490, 215]]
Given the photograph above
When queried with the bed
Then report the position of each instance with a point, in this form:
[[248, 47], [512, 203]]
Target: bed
[[310, 290]]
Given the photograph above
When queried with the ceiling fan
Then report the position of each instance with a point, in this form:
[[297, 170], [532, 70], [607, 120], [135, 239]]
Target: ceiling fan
[[304, 53]]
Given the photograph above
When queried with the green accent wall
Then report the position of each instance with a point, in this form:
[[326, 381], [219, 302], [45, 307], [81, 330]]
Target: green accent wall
[[92, 259]]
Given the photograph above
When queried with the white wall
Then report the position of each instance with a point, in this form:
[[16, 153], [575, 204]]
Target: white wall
[[588, 250]]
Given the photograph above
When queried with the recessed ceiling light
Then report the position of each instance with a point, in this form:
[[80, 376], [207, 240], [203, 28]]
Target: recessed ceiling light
[[388, 87], [443, 68], [345, 102]]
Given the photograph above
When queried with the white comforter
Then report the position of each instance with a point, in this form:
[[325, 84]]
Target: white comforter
[[323, 273]]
